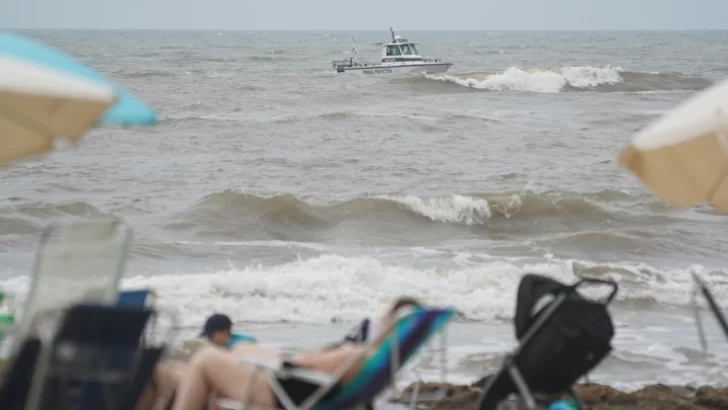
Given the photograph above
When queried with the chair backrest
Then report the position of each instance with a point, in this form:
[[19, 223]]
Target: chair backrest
[[76, 262], [94, 342], [409, 334], [91, 397], [563, 340]]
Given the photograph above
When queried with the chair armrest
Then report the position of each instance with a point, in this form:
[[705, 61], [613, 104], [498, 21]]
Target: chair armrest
[[314, 376], [286, 369]]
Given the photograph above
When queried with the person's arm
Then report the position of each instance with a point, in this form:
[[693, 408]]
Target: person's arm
[[388, 319]]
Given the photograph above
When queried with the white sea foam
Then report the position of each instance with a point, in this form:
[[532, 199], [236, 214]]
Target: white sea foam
[[333, 287], [540, 80]]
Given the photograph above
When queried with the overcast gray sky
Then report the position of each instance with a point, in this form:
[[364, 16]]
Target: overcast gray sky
[[367, 14]]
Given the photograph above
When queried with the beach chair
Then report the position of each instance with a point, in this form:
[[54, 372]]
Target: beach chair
[[411, 331], [96, 344], [92, 343], [94, 395], [75, 262], [562, 336]]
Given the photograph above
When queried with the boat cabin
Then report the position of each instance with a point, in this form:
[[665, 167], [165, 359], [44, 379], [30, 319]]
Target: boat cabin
[[399, 50]]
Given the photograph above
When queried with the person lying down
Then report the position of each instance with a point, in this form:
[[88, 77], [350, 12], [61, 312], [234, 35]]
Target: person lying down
[[216, 372]]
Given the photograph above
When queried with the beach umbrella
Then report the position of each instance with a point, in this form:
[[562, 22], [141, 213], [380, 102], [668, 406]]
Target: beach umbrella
[[38, 104], [683, 156], [128, 110]]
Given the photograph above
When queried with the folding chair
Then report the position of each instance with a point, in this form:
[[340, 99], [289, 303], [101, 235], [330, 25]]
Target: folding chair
[[86, 347], [80, 261], [410, 332], [95, 396], [74, 262], [560, 340]]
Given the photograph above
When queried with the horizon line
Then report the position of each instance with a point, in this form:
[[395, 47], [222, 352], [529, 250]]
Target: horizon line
[[365, 29]]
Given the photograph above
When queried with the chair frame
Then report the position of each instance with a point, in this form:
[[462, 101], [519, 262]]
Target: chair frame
[[701, 287], [50, 347]]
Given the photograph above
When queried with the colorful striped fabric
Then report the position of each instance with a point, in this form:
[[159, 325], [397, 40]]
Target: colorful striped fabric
[[412, 332]]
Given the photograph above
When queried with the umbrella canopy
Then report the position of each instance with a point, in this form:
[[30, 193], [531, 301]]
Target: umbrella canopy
[[683, 156], [38, 104], [128, 110]]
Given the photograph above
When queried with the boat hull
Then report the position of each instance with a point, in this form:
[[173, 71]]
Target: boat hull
[[404, 69]]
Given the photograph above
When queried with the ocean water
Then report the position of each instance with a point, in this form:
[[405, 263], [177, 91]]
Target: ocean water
[[298, 200]]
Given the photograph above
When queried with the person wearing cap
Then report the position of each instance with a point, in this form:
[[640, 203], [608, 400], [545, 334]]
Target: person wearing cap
[[218, 331]]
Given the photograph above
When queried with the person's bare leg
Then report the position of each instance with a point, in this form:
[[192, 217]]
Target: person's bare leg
[[192, 391], [217, 370], [257, 351], [168, 376], [164, 381], [331, 360]]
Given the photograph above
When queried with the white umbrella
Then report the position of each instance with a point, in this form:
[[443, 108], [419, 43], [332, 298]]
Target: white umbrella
[[683, 156], [38, 104]]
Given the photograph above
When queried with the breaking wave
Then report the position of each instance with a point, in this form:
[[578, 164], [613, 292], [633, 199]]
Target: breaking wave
[[234, 213], [332, 287], [579, 78], [228, 211]]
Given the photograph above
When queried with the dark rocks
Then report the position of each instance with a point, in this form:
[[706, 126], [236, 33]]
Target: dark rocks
[[595, 396]]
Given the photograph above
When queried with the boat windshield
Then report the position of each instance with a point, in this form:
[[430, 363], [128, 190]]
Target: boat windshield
[[406, 49], [414, 49], [393, 50]]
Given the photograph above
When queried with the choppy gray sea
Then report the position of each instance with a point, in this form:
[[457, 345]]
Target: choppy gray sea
[[291, 197]]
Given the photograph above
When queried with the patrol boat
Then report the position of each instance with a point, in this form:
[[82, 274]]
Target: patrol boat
[[399, 56]]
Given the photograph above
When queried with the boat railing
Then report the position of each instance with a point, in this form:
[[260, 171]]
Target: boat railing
[[349, 62], [340, 65]]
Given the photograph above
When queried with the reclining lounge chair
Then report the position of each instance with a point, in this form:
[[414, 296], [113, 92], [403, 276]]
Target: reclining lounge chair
[[559, 342], [410, 332]]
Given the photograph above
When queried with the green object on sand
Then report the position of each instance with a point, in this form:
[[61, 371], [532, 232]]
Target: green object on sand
[[6, 319]]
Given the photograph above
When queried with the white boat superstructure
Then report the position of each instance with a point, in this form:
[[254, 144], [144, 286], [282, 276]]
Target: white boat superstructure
[[399, 56]]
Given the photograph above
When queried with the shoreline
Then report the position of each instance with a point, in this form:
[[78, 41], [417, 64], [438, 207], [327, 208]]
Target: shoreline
[[595, 396]]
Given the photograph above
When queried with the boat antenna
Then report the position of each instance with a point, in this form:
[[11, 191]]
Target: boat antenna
[[391, 30]]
